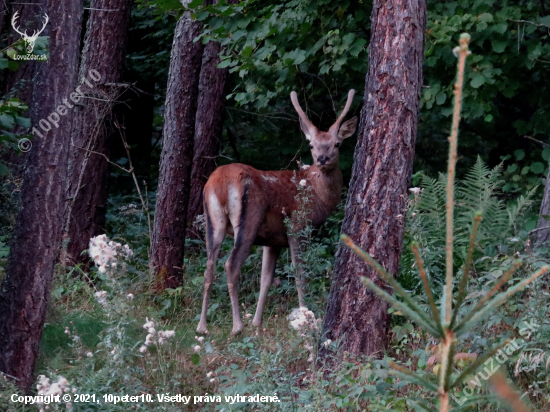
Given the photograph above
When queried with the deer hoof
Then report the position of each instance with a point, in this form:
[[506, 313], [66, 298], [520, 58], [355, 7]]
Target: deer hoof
[[256, 323], [201, 329]]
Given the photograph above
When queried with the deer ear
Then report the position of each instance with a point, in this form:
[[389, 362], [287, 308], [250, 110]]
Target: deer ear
[[307, 131], [347, 129]]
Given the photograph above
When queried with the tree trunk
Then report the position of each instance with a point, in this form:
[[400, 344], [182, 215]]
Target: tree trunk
[[93, 130], [177, 153], [208, 129], [37, 238], [376, 204], [543, 225]]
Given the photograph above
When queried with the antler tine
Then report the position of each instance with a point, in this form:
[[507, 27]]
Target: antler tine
[[37, 32], [13, 20], [336, 124], [296, 104]]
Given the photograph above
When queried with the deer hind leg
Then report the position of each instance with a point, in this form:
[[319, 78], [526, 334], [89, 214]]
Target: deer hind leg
[[294, 246], [216, 222], [269, 261], [245, 227]]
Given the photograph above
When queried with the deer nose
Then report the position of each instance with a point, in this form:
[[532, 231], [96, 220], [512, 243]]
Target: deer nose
[[322, 160]]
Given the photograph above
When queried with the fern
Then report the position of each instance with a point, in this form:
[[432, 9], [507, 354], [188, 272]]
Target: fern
[[478, 191]]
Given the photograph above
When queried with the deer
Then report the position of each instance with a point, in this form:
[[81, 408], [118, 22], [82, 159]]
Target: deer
[[251, 205], [29, 40]]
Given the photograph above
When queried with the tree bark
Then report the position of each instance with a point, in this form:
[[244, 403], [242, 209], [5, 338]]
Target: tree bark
[[177, 153], [543, 225], [93, 130], [37, 238], [208, 128], [376, 203]]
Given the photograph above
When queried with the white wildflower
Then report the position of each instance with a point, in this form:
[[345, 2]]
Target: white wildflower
[[89, 354], [143, 349], [149, 323], [46, 389], [169, 334], [101, 297], [327, 343], [130, 296], [151, 331], [414, 190], [303, 183], [196, 348], [213, 380], [248, 315], [209, 374], [200, 338], [148, 339]]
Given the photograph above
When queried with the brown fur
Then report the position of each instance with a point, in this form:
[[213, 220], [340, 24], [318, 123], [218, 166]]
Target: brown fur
[[251, 205]]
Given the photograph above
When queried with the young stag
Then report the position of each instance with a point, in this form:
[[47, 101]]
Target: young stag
[[250, 205]]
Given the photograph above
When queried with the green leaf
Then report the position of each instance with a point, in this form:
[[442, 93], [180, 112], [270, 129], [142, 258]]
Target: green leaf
[[441, 97], [537, 167], [195, 3], [477, 80], [7, 121], [546, 153], [519, 154], [195, 358], [23, 121], [247, 52], [3, 169], [499, 45], [485, 17]]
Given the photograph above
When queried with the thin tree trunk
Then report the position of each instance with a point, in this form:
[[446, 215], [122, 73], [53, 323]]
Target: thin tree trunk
[[25, 288], [543, 225], [208, 128], [92, 130], [384, 154], [177, 153]]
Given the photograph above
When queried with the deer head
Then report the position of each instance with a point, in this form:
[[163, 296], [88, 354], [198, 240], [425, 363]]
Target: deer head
[[29, 40], [325, 145]]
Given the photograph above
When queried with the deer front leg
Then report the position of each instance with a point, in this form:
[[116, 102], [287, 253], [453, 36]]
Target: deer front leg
[[294, 246], [269, 261]]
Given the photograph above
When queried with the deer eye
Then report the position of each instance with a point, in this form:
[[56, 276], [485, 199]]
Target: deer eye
[[337, 145], [310, 146]]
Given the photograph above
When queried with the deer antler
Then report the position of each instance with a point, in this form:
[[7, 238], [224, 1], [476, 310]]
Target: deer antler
[[303, 116], [336, 125], [13, 20], [37, 32]]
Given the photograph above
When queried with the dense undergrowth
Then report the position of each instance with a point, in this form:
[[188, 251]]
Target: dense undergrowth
[[94, 341]]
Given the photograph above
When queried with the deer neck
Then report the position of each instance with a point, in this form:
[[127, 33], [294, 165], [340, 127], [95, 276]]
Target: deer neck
[[327, 188]]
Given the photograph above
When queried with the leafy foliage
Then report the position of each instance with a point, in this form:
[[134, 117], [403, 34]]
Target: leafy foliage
[[479, 191]]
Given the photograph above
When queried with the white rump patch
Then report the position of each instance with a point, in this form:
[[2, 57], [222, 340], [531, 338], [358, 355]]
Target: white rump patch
[[217, 215], [234, 205]]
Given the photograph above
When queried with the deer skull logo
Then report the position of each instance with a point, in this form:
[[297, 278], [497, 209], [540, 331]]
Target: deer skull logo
[[29, 40]]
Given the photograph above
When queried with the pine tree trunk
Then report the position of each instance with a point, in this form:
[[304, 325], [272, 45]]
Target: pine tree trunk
[[25, 289], [208, 129], [376, 204], [543, 225], [93, 129], [177, 153]]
